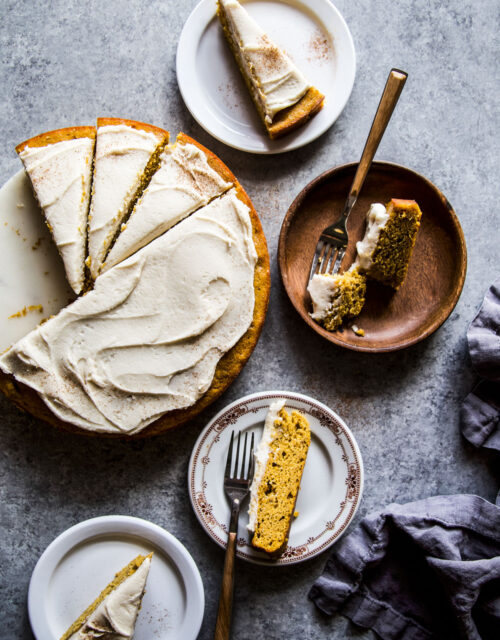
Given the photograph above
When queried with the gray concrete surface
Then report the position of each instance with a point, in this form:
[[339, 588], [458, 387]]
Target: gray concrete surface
[[64, 62]]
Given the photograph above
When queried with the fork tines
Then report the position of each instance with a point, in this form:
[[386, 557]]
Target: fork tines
[[243, 475]]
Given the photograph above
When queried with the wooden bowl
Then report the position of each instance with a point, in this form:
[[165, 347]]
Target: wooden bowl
[[391, 319]]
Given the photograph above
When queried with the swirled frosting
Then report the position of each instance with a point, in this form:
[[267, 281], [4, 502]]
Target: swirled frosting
[[183, 183], [276, 81], [61, 174], [148, 337], [121, 155], [115, 617]]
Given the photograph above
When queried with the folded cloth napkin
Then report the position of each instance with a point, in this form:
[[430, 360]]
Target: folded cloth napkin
[[480, 413], [427, 569]]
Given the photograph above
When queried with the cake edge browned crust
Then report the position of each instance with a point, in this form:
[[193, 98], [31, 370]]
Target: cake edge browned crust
[[286, 120], [135, 124], [57, 135], [228, 368]]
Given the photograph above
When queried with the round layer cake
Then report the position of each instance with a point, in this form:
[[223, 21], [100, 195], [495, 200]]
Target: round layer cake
[[52, 361]]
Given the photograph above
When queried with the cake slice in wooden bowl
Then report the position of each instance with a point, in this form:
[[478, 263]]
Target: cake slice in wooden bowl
[[59, 165], [283, 97], [127, 155]]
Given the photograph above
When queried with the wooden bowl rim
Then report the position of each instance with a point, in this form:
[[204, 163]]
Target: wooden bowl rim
[[461, 256]]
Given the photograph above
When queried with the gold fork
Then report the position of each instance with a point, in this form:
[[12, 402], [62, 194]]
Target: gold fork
[[332, 242]]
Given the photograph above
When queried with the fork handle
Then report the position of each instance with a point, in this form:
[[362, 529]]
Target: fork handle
[[392, 91], [223, 624]]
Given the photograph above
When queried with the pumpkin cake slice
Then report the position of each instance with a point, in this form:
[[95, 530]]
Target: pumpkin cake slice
[[189, 176], [127, 155], [385, 251], [337, 297], [284, 98], [279, 463], [59, 165], [113, 614]]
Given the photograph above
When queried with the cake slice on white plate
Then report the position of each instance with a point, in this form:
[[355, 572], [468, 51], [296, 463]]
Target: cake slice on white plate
[[113, 614], [127, 155], [59, 165], [189, 176], [283, 96]]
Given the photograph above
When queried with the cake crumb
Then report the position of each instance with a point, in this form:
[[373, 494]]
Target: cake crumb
[[20, 205], [357, 330], [37, 244], [25, 310], [295, 514]]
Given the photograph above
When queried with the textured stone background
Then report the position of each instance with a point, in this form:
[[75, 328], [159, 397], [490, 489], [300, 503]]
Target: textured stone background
[[64, 62]]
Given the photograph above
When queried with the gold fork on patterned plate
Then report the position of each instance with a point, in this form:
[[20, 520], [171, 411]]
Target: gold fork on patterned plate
[[332, 243]]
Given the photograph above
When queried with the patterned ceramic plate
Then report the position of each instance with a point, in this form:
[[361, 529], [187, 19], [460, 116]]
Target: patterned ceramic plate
[[331, 486]]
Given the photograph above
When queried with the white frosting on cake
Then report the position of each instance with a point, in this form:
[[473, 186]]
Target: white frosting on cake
[[276, 80], [183, 183], [148, 337], [321, 288], [376, 219], [61, 176], [261, 456], [121, 155], [116, 615]]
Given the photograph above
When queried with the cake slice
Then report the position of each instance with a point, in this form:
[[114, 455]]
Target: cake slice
[[337, 297], [189, 177], [113, 614], [59, 165], [283, 97], [385, 251], [127, 155], [279, 463]]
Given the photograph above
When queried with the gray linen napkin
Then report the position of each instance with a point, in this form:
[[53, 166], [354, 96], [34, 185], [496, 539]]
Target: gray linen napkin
[[427, 569], [480, 413]]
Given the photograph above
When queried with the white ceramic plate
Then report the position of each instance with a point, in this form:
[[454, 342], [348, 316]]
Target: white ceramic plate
[[31, 271], [330, 491], [316, 37], [80, 562]]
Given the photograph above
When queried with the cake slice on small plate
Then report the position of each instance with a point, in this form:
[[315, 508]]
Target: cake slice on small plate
[[113, 614], [127, 155], [385, 251], [189, 177], [283, 97], [279, 463], [337, 297], [59, 165]]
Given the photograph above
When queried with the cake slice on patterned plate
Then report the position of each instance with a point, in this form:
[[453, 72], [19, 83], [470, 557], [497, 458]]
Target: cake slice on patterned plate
[[283, 97], [127, 155], [59, 165], [189, 176], [279, 463], [113, 614]]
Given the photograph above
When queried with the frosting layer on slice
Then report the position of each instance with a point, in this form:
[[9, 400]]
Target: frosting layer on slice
[[123, 152], [276, 83], [148, 337], [61, 174], [184, 182], [114, 614]]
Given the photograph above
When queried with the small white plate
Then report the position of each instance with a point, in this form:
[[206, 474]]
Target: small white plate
[[79, 563], [315, 36], [330, 491]]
